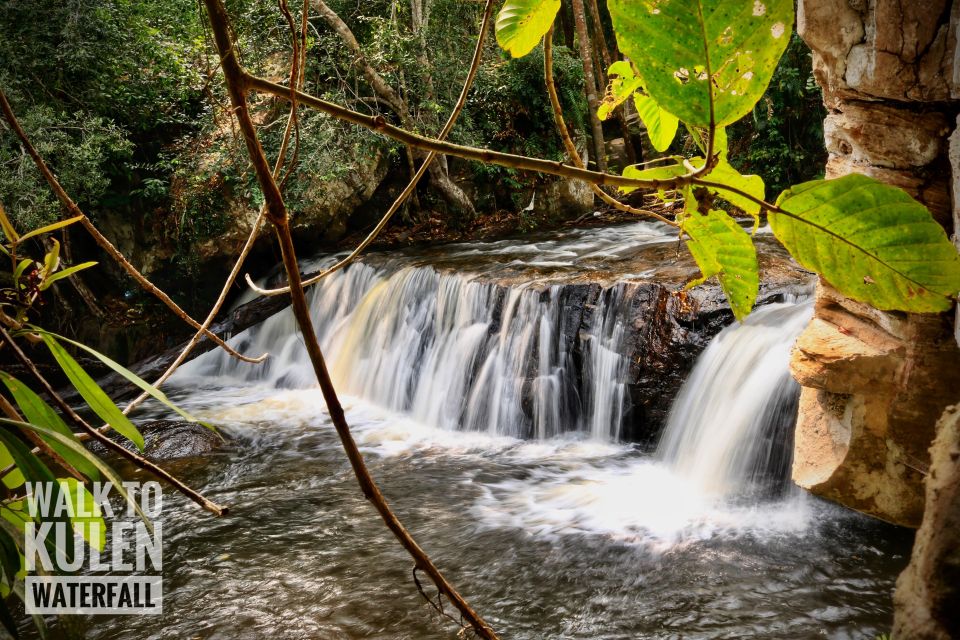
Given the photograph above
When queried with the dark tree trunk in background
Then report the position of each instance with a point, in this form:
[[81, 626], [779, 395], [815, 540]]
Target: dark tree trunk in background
[[590, 82], [566, 24]]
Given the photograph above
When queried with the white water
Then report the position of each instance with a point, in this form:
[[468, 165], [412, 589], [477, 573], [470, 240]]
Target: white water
[[454, 349], [440, 361], [728, 424]]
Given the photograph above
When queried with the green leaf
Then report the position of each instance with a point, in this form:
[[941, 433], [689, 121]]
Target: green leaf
[[50, 227], [35, 471], [52, 260], [725, 173], [521, 24], [13, 479], [693, 54], [724, 249], [665, 172], [871, 241], [7, 227], [21, 267], [126, 373], [37, 411], [104, 469], [59, 275], [623, 82], [661, 124], [90, 527], [94, 396]]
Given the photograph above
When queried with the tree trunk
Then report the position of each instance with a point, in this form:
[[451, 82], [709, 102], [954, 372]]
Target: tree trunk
[[439, 177], [590, 83]]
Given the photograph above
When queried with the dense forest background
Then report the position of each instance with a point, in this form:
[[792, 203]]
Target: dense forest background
[[123, 100]]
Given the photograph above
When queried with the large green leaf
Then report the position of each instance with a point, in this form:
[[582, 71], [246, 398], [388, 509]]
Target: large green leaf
[[521, 24], [94, 396], [39, 412], [661, 124], [871, 241], [694, 53], [724, 249]]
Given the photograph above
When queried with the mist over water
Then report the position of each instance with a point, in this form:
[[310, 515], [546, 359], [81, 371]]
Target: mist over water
[[511, 473]]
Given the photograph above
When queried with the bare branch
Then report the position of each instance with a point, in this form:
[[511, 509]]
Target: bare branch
[[237, 84]]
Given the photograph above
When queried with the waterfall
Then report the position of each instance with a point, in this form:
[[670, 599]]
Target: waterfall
[[453, 350], [730, 429]]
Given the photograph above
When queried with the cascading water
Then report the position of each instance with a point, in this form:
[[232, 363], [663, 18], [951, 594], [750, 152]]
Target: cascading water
[[452, 351], [730, 429], [557, 528]]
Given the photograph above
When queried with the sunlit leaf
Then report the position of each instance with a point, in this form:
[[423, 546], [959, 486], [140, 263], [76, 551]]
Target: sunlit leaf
[[661, 124], [97, 400], [60, 275], [623, 82], [664, 172], [126, 373], [521, 24], [50, 227], [871, 241], [7, 227], [724, 249], [90, 527], [694, 53]]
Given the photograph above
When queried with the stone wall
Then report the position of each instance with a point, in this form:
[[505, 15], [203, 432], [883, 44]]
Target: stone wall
[[874, 383]]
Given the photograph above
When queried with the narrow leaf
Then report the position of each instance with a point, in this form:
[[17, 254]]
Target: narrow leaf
[[50, 227], [521, 24], [102, 466], [871, 241], [94, 396], [37, 411], [126, 373], [60, 275], [724, 249]]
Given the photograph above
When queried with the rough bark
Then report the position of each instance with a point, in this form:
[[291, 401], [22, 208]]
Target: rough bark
[[590, 83]]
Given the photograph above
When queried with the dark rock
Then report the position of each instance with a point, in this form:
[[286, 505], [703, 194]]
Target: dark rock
[[171, 440]]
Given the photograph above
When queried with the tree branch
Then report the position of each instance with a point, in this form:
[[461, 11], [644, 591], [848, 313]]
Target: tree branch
[[237, 82], [101, 240]]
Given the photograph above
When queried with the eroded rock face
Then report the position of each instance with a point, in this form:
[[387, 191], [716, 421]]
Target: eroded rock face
[[874, 383], [928, 591]]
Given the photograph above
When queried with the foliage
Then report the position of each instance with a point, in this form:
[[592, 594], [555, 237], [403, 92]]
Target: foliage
[[782, 139], [60, 461], [709, 62]]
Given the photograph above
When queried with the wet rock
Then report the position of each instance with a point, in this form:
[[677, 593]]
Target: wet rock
[[170, 440], [927, 598], [173, 439]]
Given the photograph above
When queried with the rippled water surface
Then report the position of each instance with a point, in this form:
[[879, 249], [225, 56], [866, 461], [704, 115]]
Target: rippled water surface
[[564, 538]]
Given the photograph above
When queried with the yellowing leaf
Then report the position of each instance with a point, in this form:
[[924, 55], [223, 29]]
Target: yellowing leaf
[[521, 24]]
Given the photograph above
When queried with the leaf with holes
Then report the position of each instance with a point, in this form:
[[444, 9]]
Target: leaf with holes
[[724, 249], [871, 241], [623, 82], [521, 24], [696, 54]]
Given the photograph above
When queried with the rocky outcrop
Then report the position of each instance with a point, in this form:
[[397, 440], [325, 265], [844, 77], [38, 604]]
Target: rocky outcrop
[[928, 591], [874, 383]]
